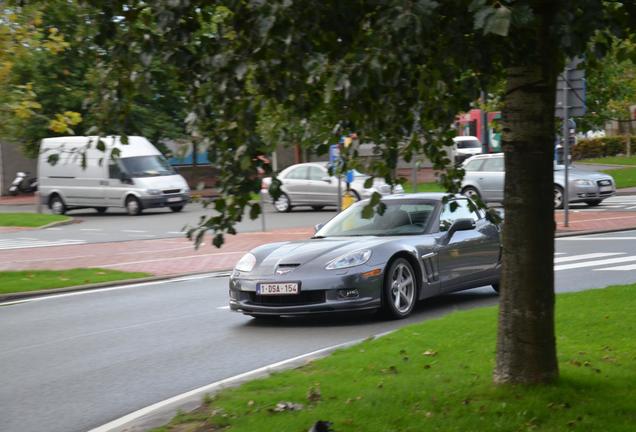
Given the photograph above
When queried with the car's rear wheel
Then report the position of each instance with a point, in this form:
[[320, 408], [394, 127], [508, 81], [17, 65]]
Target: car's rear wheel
[[558, 197], [593, 203], [133, 206], [471, 192], [57, 206], [282, 204], [400, 289]]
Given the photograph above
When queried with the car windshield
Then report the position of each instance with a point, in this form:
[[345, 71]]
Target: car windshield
[[403, 217], [147, 166], [468, 144]]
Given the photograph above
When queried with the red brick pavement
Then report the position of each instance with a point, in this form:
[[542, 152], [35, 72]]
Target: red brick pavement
[[595, 220], [158, 257]]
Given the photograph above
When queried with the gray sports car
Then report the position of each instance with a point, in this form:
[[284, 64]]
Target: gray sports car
[[418, 248]]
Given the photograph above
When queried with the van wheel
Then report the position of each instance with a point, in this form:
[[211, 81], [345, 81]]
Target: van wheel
[[101, 210], [133, 206], [176, 209], [57, 206]]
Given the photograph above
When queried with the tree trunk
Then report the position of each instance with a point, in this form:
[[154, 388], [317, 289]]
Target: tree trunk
[[526, 348]]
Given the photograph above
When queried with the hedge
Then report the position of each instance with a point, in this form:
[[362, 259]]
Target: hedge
[[601, 147]]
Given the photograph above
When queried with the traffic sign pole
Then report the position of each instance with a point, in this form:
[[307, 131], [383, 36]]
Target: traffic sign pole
[[566, 152]]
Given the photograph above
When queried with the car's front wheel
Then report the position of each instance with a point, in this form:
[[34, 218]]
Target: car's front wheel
[[176, 209], [593, 203], [400, 289], [133, 206], [282, 204], [57, 205], [558, 197]]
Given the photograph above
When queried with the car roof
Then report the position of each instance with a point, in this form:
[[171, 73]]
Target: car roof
[[433, 196], [466, 138]]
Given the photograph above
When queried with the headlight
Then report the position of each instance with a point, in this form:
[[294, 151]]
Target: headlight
[[584, 182], [153, 191], [246, 264], [351, 259]]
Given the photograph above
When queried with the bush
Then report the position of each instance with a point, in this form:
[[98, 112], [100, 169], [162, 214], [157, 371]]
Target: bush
[[601, 147]]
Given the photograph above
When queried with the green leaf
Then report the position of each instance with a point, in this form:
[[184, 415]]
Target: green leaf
[[53, 159], [218, 240], [255, 210], [368, 183]]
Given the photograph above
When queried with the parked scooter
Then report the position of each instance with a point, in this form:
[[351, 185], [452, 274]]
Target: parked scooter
[[22, 183]]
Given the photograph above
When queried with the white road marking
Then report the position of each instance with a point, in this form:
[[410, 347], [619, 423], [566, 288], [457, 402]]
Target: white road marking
[[630, 208], [618, 268], [52, 259], [25, 244], [223, 308], [173, 258], [198, 393], [595, 238], [595, 263], [586, 256], [133, 231], [53, 229], [560, 253], [175, 232], [91, 229]]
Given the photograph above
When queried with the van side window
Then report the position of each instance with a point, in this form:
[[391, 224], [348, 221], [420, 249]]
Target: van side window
[[114, 171]]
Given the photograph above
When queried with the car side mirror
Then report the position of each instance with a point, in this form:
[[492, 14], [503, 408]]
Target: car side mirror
[[125, 178], [326, 179], [461, 225], [319, 226]]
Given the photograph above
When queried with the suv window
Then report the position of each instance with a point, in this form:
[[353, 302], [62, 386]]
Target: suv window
[[495, 164], [299, 173], [316, 173], [473, 165], [462, 211]]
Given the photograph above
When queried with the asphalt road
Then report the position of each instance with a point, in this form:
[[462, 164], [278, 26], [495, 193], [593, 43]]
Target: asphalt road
[[162, 223], [73, 362], [152, 224]]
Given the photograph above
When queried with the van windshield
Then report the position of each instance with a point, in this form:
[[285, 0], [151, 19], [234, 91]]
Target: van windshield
[[147, 166], [468, 144]]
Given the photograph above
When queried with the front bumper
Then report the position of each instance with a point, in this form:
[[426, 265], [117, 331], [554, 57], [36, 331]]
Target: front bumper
[[172, 200], [593, 192], [326, 292]]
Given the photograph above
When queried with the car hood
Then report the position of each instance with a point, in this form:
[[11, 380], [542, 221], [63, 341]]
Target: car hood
[[579, 174], [309, 253]]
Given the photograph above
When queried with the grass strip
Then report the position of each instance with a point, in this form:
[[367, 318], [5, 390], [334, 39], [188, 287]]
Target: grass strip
[[611, 160], [623, 177], [35, 280], [424, 187], [436, 376], [29, 219]]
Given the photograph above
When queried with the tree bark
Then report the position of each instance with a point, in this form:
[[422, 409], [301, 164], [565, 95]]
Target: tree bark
[[526, 348]]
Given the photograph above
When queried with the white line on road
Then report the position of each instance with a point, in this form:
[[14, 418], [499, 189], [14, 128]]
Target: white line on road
[[172, 258], [595, 238], [630, 208], [618, 268], [133, 231], [91, 229], [175, 232], [586, 256], [595, 263], [198, 393]]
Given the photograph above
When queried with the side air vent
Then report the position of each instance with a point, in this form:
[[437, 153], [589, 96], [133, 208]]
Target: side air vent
[[429, 262]]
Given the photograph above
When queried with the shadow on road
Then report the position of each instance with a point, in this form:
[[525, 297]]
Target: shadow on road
[[425, 309]]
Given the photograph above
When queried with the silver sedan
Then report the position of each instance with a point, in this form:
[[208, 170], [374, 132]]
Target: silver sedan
[[485, 175], [418, 248], [309, 184]]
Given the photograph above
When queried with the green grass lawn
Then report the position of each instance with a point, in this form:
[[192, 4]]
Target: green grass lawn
[[612, 160], [29, 219], [437, 376], [424, 187], [34, 280], [623, 177]]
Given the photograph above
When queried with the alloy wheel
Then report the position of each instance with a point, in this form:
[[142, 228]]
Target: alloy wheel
[[282, 204], [558, 197], [402, 288]]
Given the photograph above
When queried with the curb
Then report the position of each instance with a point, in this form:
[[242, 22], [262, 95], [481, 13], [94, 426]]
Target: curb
[[88, 287], [582, 233], [70, 221], [162, 412]]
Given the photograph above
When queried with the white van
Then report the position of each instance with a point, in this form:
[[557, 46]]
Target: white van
[[94, 172], [465, 147]]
